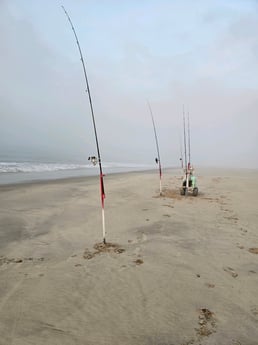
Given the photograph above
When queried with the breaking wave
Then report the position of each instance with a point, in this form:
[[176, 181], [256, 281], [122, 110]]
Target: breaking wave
[[28, 167]]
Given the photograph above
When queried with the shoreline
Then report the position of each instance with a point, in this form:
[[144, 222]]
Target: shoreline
[[82, 177], [210, 171], [28, 177]]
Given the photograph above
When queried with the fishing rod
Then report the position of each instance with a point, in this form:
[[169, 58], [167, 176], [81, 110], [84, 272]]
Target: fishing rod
[[185, 153], [157, 145], [102, 191], [181, 152], [186, 167], [189, 144]]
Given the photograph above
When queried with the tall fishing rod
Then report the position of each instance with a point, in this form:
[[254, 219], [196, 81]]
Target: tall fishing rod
[[102, 191], [189, 144], [185, 153], [157, 145], [186, 167]]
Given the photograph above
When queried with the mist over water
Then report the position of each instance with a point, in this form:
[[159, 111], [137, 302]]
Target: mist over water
[[201, 55]]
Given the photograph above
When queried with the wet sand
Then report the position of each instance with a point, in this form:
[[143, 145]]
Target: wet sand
[[177, 270]]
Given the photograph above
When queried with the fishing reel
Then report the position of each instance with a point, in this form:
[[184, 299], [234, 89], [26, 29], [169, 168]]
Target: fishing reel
[[93, 159]]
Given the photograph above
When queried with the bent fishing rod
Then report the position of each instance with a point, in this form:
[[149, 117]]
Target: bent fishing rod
[[102, 191], [157, 145]]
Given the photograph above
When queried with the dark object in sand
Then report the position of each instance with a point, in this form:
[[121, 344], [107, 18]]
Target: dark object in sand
[[139, 262], [230, 271], [4, 260], [253, 250]]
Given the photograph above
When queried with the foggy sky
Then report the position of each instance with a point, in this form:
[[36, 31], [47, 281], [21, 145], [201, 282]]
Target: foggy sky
[[201, 54]]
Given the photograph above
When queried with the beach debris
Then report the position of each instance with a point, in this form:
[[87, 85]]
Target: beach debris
[[93, 159], [207, 323], [103, 248], [157, 160], [198, 275], [253, 250], [230, 271]]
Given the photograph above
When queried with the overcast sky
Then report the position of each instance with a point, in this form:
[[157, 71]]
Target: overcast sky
[[202, 54]]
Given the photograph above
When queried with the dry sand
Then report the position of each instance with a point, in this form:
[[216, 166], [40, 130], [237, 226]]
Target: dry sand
[[178, 270]]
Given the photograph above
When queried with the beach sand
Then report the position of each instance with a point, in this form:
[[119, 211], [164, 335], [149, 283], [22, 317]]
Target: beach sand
[[182, 270]]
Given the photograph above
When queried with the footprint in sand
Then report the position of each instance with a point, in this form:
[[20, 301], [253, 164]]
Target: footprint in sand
[[207, 323], [4, 260], [138, 262], [236, 342], [254, 310], [230, 271], [166, 205], [240, 246], [210, 285], [141, 237], [233, 218]]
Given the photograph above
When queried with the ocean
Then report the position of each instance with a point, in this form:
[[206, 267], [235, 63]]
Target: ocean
[[20, 171]]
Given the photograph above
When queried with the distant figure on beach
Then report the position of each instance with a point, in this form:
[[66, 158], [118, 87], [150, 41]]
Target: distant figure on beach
[[93, 160]]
